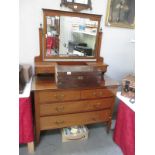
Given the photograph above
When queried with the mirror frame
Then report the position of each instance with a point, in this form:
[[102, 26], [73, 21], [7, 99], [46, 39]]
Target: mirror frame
[[48, 12]]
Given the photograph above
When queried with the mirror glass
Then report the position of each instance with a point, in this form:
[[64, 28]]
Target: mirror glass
[[70, 36]]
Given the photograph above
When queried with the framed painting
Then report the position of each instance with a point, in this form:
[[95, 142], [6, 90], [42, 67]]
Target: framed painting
[[121, 13]]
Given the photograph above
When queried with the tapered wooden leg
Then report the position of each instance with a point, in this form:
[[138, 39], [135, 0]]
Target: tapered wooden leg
[[37, 136], [102, 75], [30, 146], [108, 126]]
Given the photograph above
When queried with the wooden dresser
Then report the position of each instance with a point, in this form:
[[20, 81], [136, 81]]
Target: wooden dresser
[[58, 108]]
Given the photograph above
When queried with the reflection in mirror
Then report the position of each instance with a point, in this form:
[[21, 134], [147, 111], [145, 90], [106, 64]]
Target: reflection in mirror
[[71, 36], [52, 36]]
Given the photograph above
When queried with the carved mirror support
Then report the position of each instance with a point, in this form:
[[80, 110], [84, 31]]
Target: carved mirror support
[[72, 38], [77, 5]]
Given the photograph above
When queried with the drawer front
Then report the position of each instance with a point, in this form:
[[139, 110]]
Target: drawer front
[[44, 69], [58, 96], [104, 93], [72, 107], [96, 93], [101, 68], [52, 122]]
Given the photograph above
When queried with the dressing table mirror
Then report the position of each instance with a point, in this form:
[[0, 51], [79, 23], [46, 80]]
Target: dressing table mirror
[[69, 37]]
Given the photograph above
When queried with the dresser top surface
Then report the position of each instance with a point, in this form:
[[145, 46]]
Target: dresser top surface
[[48, 83]]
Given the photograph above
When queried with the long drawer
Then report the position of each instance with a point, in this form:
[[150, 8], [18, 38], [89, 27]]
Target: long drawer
[[52, 122], [95, 93], [76, 106], [55, 96]]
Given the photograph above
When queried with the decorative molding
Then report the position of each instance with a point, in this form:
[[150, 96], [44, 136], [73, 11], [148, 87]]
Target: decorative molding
[[76, 6]]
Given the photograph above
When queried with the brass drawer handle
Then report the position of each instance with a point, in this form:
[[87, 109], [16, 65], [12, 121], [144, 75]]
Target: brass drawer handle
[[60, 109], [62, 95], [97, 105], [100, 93], [93, 119], [59, 122], [94, 93], [56, 97], [110, 117], [46, 71], [59, 97]]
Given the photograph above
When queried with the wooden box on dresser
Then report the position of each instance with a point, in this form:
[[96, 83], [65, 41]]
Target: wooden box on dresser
[[58, 108]]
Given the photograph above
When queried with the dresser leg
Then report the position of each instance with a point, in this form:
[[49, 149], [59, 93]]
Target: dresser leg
[[102, 75], [108, 126], [37, 136], [30, 146]]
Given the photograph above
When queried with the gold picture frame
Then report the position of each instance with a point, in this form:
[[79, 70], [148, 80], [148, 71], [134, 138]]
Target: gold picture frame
[[120, 13]]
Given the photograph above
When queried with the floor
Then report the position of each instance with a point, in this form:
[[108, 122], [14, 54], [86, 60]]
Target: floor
[[98, 143]]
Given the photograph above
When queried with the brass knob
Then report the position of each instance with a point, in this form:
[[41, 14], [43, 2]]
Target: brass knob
[[97, 105], [93, 119], [60, 109], [101, 93], [110, 117], [55, 95], [59, 122], [94, 93], [60, 97]]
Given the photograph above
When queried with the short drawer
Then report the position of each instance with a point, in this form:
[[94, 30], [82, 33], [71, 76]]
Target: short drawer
[[44, 69], [52, 122], [54, 96], [76, 106], [102, 68], [95, 93]]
